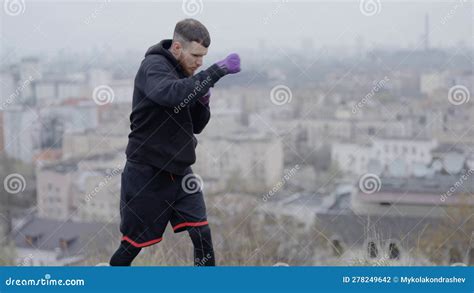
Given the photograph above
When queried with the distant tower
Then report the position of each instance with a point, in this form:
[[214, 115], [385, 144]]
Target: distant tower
[[30, 72], [427, 32]]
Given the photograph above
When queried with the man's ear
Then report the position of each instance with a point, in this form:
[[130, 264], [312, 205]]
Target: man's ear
[[177, 46]]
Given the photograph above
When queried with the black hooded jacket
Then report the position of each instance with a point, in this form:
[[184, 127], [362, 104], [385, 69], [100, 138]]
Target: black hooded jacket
[[166, 112]]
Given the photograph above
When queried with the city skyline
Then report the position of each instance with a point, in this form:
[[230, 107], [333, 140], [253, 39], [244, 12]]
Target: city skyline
[[88, 26]]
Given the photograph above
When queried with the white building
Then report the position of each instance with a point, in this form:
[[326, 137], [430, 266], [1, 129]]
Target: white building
[[97, 77], [91, 143], [431, 82], [355, 158], [8, 94], [54, 190], [29, 73], [70, 89], [96, 190], [254, 162], [81, 190], [75, 115], [123, 90], [27, 131], [223, 121], [304, 136], [46, 92], [21, 133]]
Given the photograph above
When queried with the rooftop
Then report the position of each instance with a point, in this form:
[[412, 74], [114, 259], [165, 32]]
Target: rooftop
[[49, 235]]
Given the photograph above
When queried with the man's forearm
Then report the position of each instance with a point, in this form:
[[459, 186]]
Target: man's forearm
[[200, 114]]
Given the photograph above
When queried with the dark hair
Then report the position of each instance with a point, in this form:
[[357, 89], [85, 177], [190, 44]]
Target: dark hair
[[191, 30]]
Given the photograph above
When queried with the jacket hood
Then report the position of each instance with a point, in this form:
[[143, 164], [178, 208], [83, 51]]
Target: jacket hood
[[162, 49]]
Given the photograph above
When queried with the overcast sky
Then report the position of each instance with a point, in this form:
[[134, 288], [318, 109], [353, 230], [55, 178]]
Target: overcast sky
[[46, 26]]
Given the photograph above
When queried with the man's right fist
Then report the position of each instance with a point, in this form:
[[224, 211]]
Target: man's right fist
[[231, 64]]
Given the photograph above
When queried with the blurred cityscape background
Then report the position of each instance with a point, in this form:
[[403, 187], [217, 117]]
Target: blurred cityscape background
[[347, 139]]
